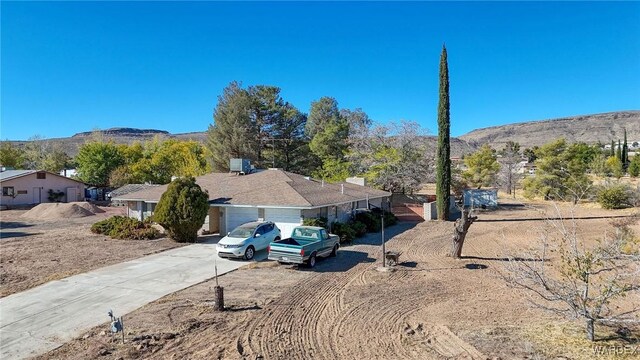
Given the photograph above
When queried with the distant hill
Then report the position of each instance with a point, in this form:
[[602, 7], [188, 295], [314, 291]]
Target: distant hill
[[587, 128]]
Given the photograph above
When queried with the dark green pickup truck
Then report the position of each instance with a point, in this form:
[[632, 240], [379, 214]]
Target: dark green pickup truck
[[304, 246]]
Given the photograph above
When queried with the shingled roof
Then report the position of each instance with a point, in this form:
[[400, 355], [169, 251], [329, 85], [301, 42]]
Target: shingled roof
[[268, 188]]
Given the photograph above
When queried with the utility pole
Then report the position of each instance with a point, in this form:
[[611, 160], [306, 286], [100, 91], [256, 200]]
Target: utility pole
[[384, 253]]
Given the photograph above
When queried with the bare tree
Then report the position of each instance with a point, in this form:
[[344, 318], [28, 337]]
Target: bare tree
[[584, 282], [510, 160]]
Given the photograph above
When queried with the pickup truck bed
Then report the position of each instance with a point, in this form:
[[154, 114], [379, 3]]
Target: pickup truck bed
[[311, 243]]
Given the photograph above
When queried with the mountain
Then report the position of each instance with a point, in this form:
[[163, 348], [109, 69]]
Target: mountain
[[586, 128]]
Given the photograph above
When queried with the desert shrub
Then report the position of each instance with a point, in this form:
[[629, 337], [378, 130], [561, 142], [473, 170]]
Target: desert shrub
[[344, 230], [359, 228], [182, 209], [634, 166], [614, 196], [319, 221], [122, 227]]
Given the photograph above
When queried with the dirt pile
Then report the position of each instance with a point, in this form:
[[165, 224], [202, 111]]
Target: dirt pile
[[51, 211]]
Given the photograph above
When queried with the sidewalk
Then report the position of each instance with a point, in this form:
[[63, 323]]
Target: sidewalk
[[40, 319]]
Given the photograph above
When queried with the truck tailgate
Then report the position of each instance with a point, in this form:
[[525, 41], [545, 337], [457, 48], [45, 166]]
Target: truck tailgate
[[286, 253]]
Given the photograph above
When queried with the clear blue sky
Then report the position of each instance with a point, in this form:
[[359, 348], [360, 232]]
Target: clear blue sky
[[69, 67]]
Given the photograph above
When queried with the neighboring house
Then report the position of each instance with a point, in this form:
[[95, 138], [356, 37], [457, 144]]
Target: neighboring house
[[24, 187], [124, 190], [481, 198], [274, 195]]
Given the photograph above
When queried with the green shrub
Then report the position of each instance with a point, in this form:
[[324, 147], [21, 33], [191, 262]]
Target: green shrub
[[614, 196], [182, 209], [319, 221], [359, 228], [346, 233], [390, 219], [370, 220], [122, 227]]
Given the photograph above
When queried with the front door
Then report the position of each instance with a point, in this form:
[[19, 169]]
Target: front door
[[36, 195]]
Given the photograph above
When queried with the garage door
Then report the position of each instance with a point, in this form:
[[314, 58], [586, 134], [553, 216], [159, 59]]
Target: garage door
[[239, 216], [285, 219]]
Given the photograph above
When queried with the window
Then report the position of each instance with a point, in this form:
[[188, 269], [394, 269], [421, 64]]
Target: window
[[324, 234], [7, 191], [41, 175]]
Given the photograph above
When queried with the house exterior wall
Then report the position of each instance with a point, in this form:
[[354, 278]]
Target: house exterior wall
[[25, 187]]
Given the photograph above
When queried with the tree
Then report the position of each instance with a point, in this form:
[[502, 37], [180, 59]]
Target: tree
[[530, 153], [619, 151], [96, 160], [482, 167], [10, 155], [460, 231], [560, 174], [625, 151], [614, 167], [581, 281], [443, 156], [510, 164], [612, 151], [234, 133], [392, 157], [42, 154], [182, 209], [614, 196], [328, 132]]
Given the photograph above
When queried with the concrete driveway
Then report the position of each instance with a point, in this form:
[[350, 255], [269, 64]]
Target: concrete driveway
[[40, 319]]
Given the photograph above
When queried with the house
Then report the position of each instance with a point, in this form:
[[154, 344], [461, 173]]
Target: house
[[124, 190], [25, 187], [274, 195]]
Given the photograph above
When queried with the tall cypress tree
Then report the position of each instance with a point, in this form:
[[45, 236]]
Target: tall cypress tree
[[619, 151], [625, 151], [443, 166]]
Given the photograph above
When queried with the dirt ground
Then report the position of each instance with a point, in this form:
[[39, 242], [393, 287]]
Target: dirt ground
[[37, 251], [430, 307]]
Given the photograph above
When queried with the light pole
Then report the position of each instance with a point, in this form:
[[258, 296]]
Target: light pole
[[384, 253]]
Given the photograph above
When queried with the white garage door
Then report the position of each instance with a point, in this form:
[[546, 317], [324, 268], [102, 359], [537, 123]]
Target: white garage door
[[285, 219], [239, 216]]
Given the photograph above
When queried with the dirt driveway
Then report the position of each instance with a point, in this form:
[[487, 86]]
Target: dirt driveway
[[430, 307], [37, 251]]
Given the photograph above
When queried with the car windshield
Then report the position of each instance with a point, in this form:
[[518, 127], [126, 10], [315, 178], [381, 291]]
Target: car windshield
[[242, 231]]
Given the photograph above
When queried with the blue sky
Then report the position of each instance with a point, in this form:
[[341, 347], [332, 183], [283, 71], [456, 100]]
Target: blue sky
[[69, 67]]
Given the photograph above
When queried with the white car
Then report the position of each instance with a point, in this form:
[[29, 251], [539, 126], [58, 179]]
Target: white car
[[246, 239]]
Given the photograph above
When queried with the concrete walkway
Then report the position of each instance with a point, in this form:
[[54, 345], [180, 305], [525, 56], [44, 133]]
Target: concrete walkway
[[43, 318]]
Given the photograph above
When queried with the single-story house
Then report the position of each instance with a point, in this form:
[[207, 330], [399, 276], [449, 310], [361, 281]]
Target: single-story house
[[25, 187], [270, 195], [124, 190]]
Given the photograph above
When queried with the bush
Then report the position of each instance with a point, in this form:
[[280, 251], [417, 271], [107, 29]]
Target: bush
[[182, 209], [122, 227], [319, 221], [359, 228], [346, 233], [614, 197], [390, 219], [370, 220]]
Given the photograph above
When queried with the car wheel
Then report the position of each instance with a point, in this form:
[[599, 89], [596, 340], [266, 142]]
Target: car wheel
[[334, 252], [249, 253], [277, 238], [312, 260]]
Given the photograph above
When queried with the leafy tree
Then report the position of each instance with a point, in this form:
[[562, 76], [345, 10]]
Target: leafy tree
[[614, 167], [510, 164], [10, 155], [634, 166], [96, 160], [234, 133], [443, 156], [392, 157], [482, 167], [560, 175], [182, 209], [323, 111], [333, 170], [530, 153], [42, 154]]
